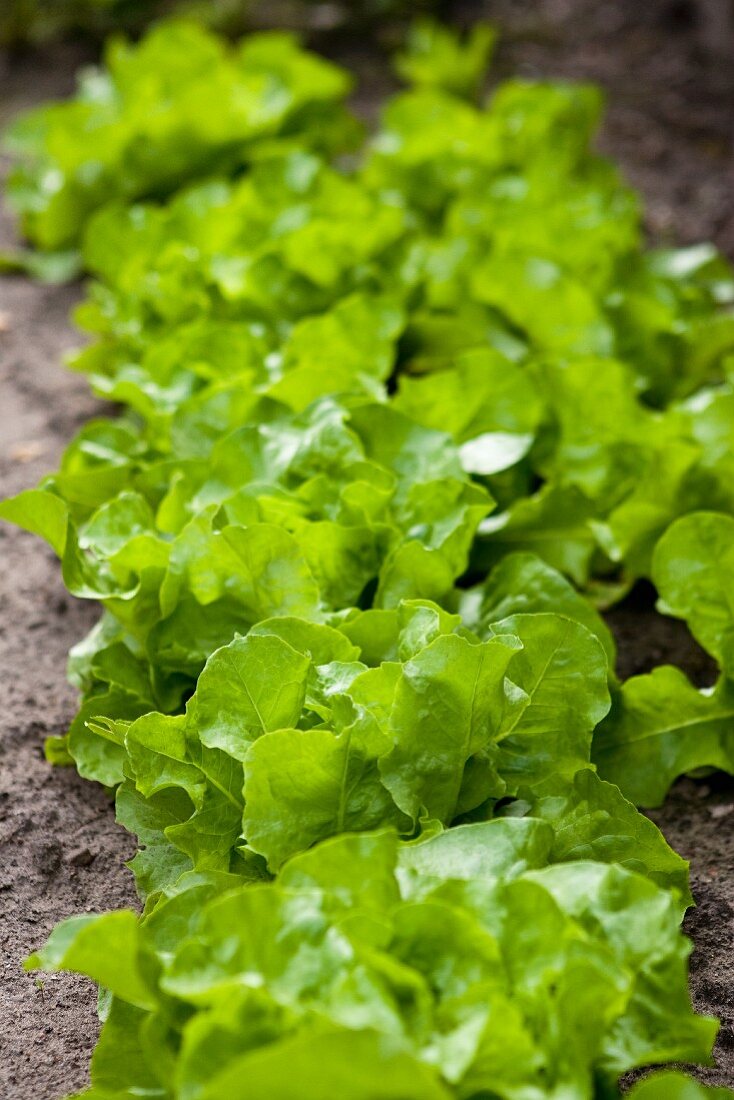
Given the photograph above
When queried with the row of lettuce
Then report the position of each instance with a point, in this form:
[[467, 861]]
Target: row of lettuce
[[396, 418]]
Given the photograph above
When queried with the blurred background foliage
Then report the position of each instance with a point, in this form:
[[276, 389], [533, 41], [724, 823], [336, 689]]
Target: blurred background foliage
[[32, 22]]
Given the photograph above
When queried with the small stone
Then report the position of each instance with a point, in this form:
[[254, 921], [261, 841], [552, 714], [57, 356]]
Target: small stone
[[47, 857], [82, 857], [26, 452]]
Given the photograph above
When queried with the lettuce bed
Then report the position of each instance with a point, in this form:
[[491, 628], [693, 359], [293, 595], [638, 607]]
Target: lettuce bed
[[399, 416]]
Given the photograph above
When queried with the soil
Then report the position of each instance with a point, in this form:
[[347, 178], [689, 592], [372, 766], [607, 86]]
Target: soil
[[669, 126]]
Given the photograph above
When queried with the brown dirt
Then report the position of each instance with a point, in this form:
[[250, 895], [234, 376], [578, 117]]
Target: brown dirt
[[697, 820], [61, 852], [645, 640], [669, 125]]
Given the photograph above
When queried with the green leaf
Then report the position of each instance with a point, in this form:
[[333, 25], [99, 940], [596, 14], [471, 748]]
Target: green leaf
[[502, 849], [561, 670], [106, 948], [591, 819], [524, 584], [675, 1086], [158, 864], [693, 569], [485, 401], [436, 57], [304, 786], [450, 704], [523, 289], [356, 1066], [163, 754], [252, 686], [660, 727], [321, 643], [554, 524], [41, 513], [655, 1027], [357, 870], [260, 566]]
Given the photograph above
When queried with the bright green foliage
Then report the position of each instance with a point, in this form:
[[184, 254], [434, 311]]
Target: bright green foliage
[[290, 738], [389, 421], [524, 583], [694, 574], [458, 965], [674, 1086], [298, 516], [435, 58], [479, 266], [660, 725], [178, 106], [592, 820]]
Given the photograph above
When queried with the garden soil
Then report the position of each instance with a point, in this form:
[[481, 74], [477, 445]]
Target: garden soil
[[669, 125]]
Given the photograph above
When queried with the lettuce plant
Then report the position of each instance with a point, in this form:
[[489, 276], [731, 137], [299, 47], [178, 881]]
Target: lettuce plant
[[177, 106], [462, 965]]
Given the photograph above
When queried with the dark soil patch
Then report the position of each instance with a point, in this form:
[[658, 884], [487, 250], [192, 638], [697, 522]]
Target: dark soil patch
[[60, 850], [698, 821], [669, 126], [646, 639]]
